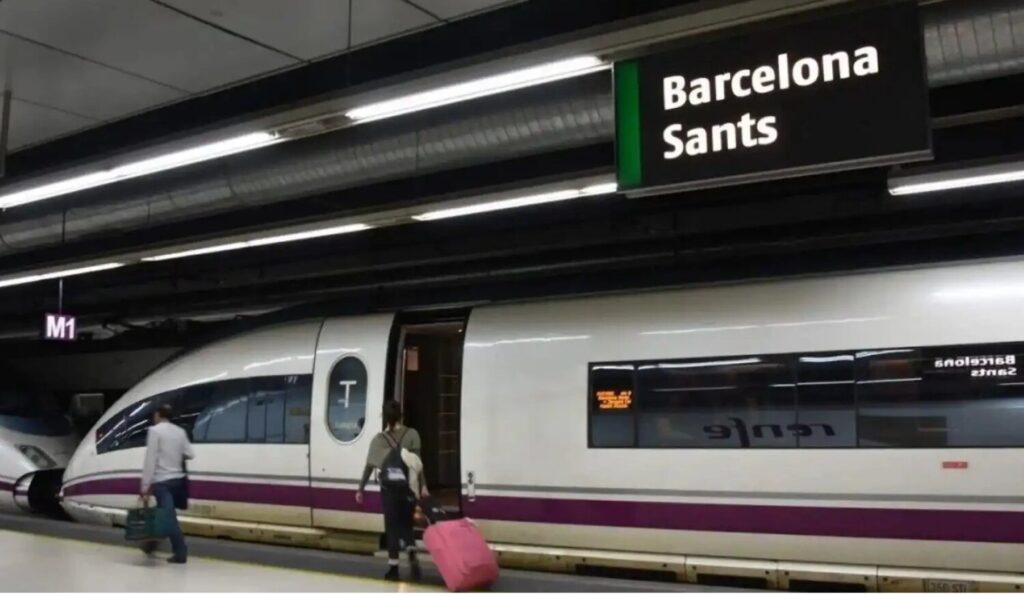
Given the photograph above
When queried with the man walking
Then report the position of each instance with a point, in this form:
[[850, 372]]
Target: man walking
[[163, 474]]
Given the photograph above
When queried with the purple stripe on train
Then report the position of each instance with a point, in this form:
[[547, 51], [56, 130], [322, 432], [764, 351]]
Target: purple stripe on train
[[849, 522], [5, 486], [261, 493]]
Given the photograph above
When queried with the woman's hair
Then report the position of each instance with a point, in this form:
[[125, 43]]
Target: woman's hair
[[392, 413]]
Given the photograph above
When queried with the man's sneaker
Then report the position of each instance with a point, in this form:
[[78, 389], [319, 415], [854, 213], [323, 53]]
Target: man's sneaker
[[392, 574]]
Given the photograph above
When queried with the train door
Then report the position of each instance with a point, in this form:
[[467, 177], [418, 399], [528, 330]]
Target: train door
[[428, 382], [349, 378]]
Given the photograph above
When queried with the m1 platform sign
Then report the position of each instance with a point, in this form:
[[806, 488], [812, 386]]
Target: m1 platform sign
[[59, 327], [833, 91]]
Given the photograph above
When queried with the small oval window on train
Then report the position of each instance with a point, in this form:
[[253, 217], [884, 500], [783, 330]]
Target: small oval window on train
[[346, 399]]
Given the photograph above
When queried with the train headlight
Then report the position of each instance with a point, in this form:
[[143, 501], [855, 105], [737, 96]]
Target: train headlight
[[37, 457]]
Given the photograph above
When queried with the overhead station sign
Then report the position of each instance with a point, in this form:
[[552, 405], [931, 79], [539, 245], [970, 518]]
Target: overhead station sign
[[59, 327], [841, 91]]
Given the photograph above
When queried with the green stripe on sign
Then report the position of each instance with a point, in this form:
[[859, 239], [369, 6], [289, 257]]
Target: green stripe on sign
[[627, 125]]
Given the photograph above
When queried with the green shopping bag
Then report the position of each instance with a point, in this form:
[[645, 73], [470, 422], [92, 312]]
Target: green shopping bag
[[147, 523]]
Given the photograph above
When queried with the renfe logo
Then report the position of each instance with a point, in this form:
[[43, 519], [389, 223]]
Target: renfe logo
[[60, 327]]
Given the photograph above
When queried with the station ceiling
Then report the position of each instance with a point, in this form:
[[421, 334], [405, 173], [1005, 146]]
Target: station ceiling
[[77, 64]]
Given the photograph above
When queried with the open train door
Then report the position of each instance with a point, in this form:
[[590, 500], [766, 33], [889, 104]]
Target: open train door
[[427, 380]]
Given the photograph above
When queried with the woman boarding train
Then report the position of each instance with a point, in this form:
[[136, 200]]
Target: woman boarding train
[[395, 455]]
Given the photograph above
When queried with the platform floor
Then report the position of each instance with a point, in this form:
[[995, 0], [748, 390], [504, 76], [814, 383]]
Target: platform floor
[[34, 563], [38, 554]]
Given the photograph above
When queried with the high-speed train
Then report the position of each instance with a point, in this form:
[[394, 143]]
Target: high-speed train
[[36, 442], [857, 427]]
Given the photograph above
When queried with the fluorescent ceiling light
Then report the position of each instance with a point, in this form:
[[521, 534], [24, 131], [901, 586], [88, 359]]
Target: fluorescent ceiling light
[[148, 166], [545, 198], [299, 236], [270, 240], [956, 179], [481, 87], [213, 249], [33, 278]]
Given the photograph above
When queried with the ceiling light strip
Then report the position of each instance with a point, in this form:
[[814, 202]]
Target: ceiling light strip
[[33, 278], [481, 87], [197, 154], [518, 202], [958, 179], [262, 241]]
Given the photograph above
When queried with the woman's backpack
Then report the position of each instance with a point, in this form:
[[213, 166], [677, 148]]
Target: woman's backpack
[[394, 474]]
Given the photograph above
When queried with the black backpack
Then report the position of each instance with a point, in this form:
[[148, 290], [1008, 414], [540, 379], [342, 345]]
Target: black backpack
[[394, 474]]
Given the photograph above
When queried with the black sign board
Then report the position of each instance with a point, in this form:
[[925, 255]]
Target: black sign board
[[835, 92]]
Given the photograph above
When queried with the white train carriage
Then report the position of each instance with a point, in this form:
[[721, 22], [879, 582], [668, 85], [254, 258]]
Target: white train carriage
[[36, 442], [842, 426]]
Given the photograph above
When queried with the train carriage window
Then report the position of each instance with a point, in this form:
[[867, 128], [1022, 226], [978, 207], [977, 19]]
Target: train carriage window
[[730, 402], [139, 418], [892, 402], [273, 409], [826, 411], [257, 419], [298, 404], [267, 407], [225, 418], [926, 397], [346, 399], [194, 400], [612, 421], [965, 396], [108, 432]]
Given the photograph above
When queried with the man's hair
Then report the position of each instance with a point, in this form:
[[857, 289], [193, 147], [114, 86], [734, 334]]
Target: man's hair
[[165, 412]]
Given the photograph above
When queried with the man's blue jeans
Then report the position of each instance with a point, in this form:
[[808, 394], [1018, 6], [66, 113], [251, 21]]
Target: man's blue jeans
[[164, 493]]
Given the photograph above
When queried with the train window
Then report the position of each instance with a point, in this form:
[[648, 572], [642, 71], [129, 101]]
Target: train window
[[128, 428], [967, 396], [275, 401], [267, 401], [827, 411], [272, 409], [612, 422], [108, 432], [194, 400], [932, 397], [346, 399], [257, 431], [730, 402], [298, 404], [892, 401], [226, 416], [139, 418]]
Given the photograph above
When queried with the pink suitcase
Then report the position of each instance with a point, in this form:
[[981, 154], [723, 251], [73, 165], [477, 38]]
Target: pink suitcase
[[461, 555]]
